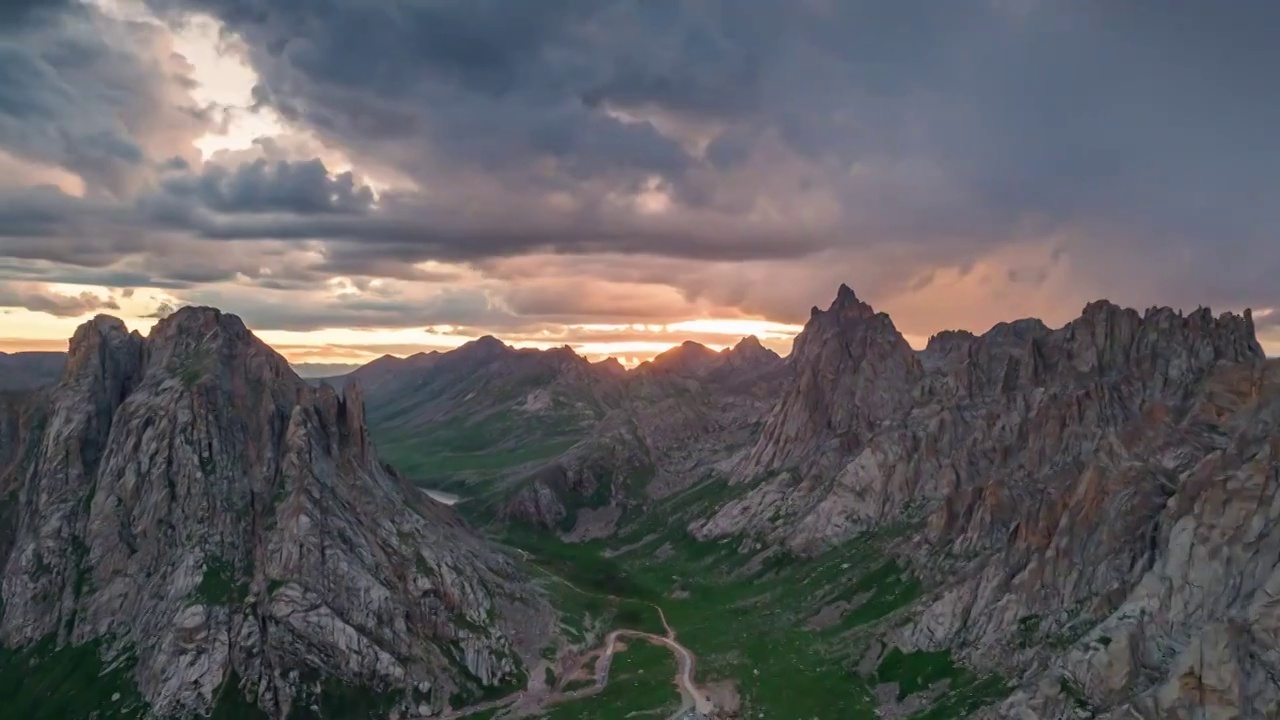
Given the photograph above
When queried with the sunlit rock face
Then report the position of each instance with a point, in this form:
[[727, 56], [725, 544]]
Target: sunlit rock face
[[191, 503]]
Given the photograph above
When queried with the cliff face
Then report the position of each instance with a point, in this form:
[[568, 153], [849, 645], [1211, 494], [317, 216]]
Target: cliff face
[[190, 502], [1108, 487]]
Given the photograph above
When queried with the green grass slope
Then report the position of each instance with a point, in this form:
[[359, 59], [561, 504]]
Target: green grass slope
[[789, 633]]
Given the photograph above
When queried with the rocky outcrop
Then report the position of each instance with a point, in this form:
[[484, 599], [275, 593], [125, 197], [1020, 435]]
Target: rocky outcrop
[[190, 502], [1106, 487]]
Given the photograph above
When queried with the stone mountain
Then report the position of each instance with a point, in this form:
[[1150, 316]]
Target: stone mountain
[[1096, 508], [220, 534]]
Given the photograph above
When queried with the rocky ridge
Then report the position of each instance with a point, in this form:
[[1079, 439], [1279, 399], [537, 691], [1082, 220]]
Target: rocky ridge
[[548, 436], [188, 503], [29, 370], [675, 420], [1094, 507]]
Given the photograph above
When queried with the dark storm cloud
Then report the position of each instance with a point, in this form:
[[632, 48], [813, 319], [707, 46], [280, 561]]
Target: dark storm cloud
[[255, 187], [972, 118], [39, 212], [88, 93], [18, 270], [16, 14], [452, 306], [813, 139]]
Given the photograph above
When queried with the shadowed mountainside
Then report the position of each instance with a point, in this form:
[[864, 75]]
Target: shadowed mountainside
[[30, 370]]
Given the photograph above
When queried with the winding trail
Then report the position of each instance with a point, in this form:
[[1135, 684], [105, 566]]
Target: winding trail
[[525, 702]]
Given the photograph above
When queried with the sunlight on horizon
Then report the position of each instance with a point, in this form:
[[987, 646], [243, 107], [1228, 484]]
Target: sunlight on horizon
[[25, 330]]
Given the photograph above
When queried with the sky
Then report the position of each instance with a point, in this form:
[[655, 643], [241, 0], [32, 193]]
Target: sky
[[362, 177]]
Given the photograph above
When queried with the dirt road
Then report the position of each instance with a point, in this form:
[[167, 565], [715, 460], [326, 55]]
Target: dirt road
[[691, 696]]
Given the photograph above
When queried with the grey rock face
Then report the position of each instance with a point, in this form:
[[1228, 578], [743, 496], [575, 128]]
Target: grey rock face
[[1108, 487], [189, 499]]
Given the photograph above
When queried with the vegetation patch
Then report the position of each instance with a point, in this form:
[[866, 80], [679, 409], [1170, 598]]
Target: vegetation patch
[[438, 453], [750, 627], [230, 702], [220, 585], [195, 366], [1028, 630], [919, 671], [1077, 696], [336, 699], [72, 682]]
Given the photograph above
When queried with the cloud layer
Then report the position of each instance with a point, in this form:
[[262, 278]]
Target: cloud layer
[[510, 166]]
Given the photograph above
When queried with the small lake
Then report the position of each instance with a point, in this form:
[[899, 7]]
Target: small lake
[[441, 496]]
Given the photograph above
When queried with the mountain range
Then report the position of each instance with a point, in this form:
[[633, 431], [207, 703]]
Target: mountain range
[[29, 370], [1030, 523]]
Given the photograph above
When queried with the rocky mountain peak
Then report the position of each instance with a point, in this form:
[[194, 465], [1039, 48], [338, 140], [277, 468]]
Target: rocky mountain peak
[[99, 326], [853, 371], [690, 348], [1093, 502], [948, 341], [688, 357], [750, 346], [195, 504], [750, 353], [1168, 348], [103, 342], [489, 343], [845, 295], [563, 355], [483, 349], [198, 340], [847, 303], [610, 367]]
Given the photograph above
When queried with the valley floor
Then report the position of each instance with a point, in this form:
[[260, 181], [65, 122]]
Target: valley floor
[[771, 635]]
